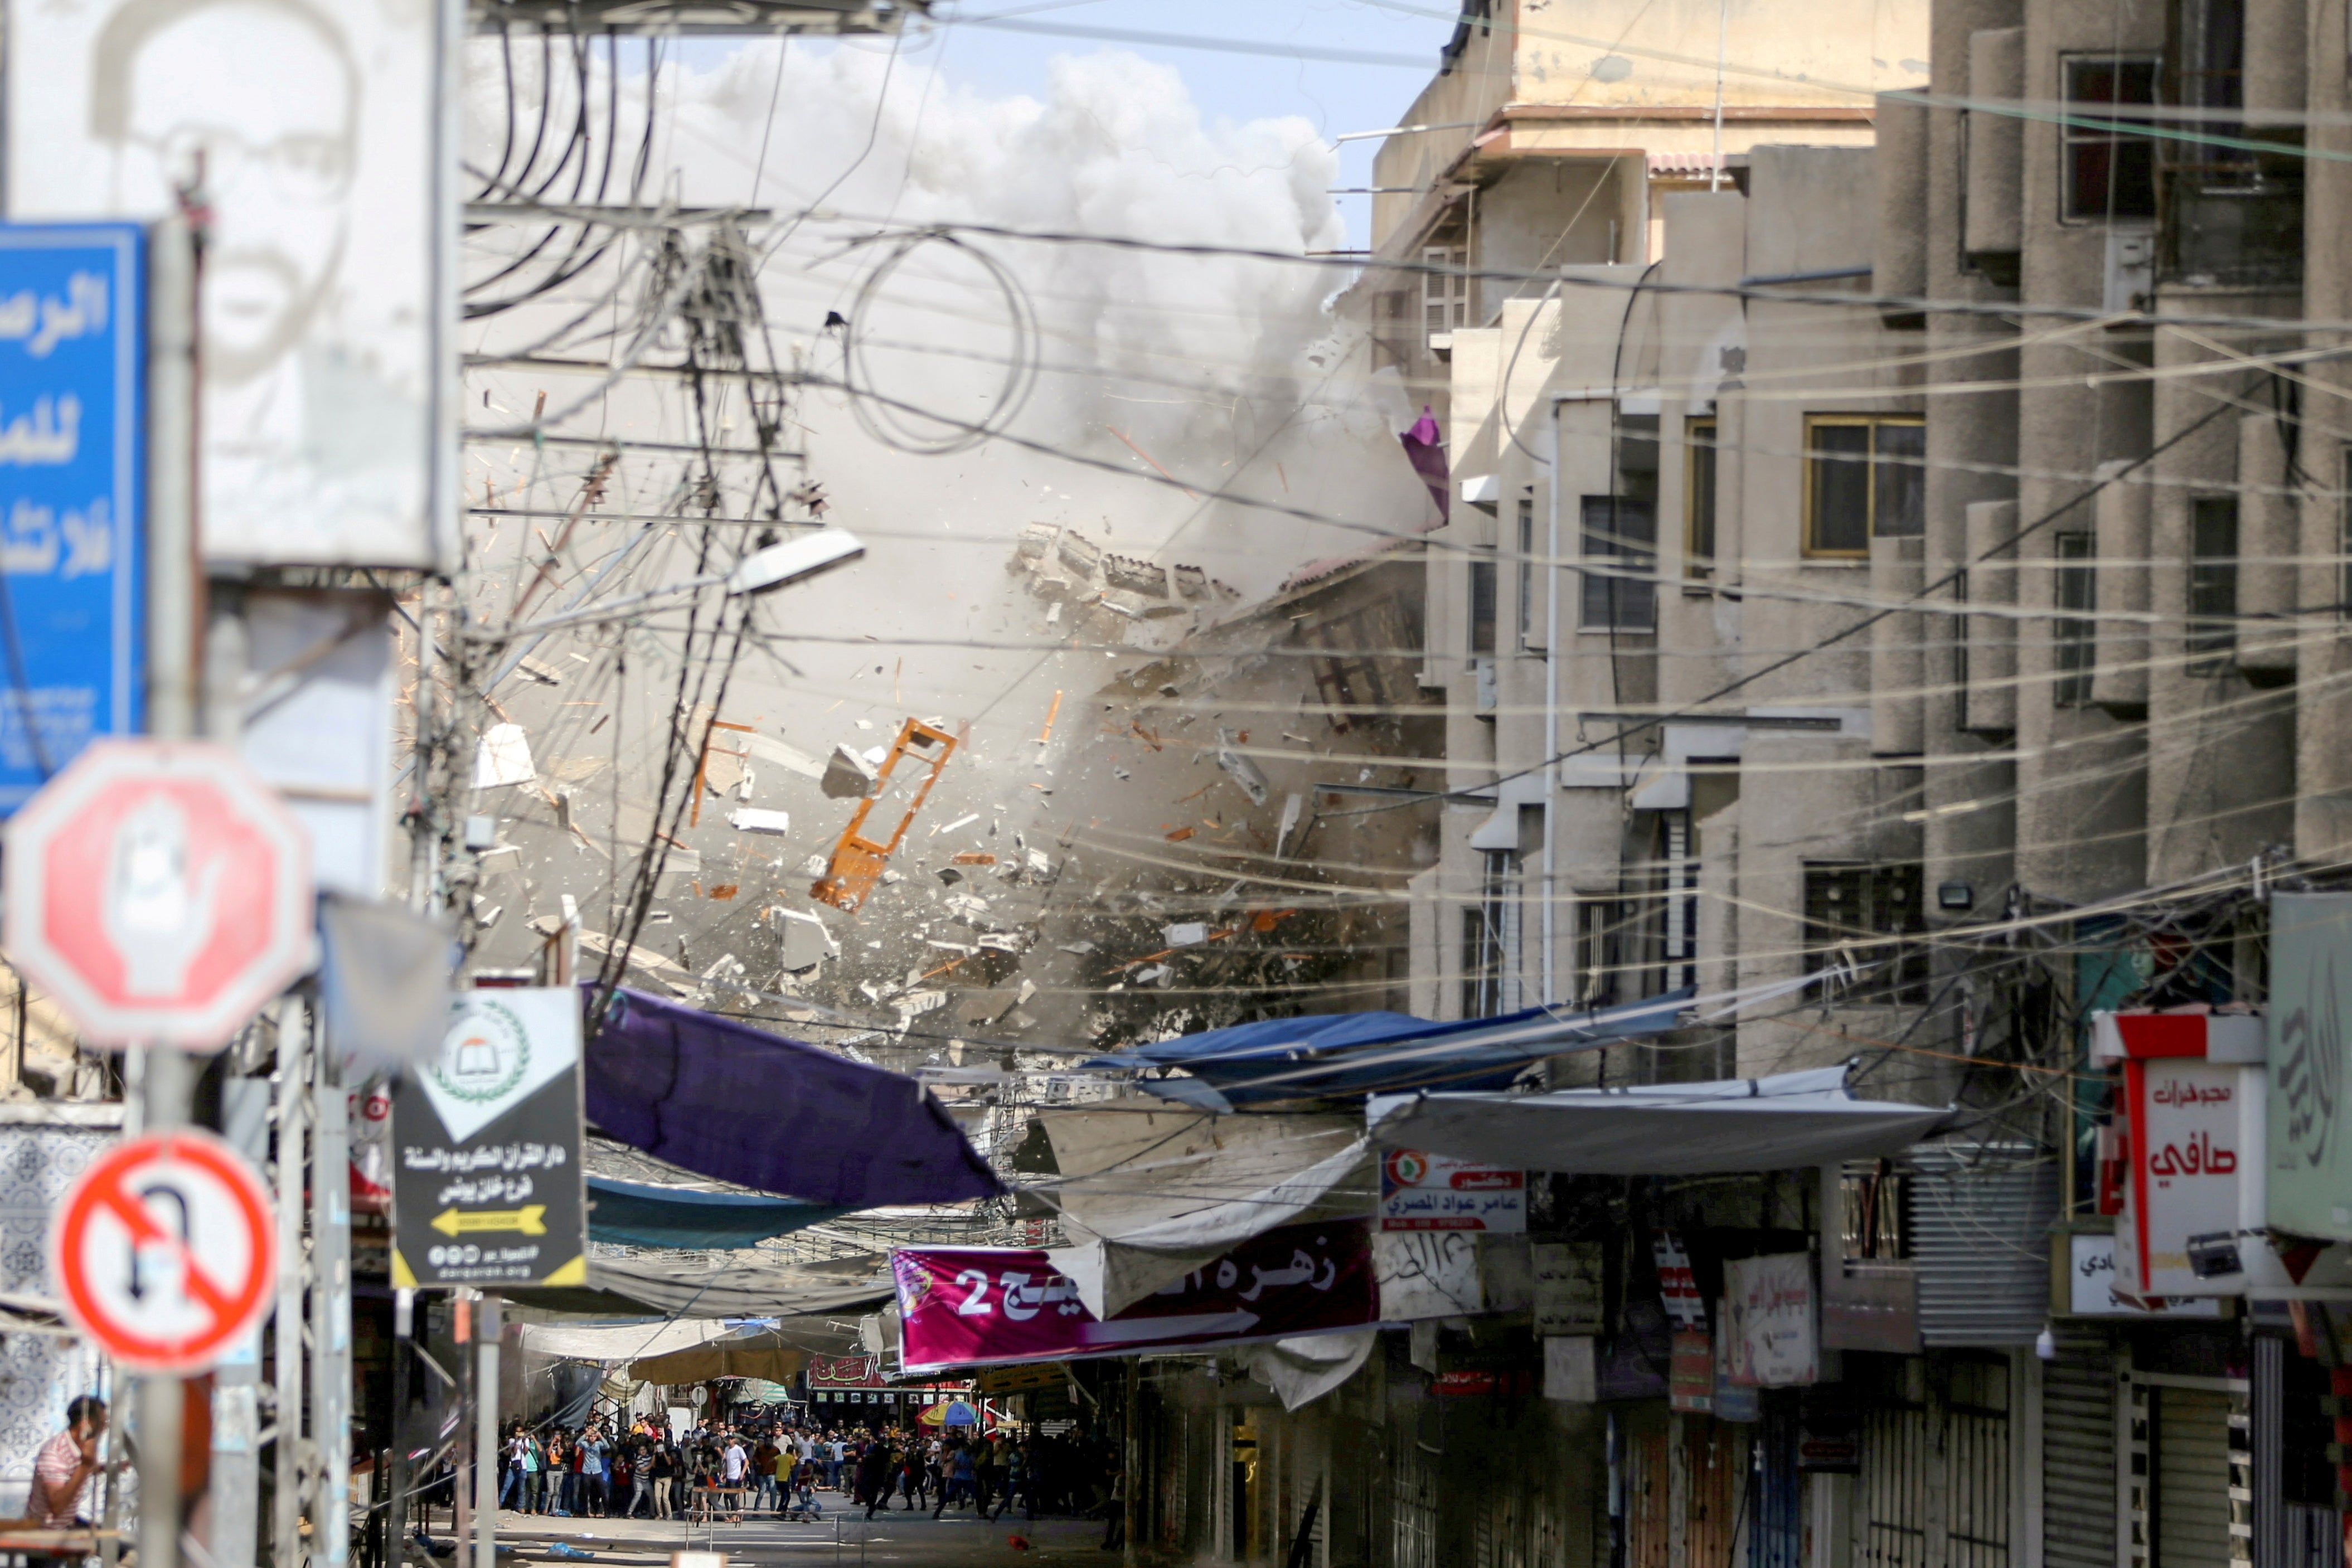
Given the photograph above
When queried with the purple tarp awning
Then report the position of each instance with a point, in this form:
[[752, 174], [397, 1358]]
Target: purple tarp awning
[[725, 1100]]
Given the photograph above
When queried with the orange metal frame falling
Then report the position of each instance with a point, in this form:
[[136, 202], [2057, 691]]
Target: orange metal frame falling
[[857, 861]]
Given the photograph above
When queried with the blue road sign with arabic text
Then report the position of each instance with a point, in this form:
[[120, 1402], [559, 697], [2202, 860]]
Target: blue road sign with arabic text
[[72, 463]]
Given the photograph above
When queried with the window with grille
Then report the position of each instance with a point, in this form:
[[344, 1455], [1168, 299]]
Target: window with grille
[[1865, 476], [1698, 498], [2109, 171], [2076, 635], [2212, 582], [1876, 1212], [1445, 288], [1862, 922]]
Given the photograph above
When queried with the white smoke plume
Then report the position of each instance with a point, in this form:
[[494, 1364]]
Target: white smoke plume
[[1231, 374]]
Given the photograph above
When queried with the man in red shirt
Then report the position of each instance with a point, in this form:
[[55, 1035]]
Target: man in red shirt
[[63, 1469]]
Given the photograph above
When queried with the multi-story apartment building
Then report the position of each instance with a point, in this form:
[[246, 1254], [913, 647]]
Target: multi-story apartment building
[[1894, 592]]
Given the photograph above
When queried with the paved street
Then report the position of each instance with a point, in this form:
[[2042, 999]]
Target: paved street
[[914, 1541]]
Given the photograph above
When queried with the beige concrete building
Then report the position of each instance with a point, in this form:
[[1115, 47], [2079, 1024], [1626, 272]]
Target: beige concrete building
[[1897, 596]]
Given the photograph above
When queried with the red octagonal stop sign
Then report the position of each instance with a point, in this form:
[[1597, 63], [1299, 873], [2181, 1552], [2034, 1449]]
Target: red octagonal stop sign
[[159, 890]]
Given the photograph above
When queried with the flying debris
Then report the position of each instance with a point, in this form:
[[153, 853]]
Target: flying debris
[[503, 757], [1244, 772], [847, 776], [858, 860]]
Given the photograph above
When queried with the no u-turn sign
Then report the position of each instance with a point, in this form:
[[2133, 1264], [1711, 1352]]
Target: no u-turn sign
[[163, 1251]]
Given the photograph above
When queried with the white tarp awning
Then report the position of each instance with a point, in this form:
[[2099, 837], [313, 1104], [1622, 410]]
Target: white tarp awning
[[620, 1342], [1781, 1123], [1150, 1193]]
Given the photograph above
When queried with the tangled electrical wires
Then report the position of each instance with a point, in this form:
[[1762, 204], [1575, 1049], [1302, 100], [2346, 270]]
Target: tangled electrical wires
[[902, 426], [546, 263]]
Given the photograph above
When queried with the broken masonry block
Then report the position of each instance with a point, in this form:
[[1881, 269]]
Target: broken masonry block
[[847, 776]]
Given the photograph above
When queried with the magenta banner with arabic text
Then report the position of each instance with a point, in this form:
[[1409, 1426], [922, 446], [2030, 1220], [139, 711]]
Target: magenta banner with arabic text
[[973, 1306]]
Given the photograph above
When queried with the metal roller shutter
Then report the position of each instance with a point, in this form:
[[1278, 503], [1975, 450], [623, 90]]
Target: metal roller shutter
[[2192, 1479], [1981, 1219], [2078, 1453]]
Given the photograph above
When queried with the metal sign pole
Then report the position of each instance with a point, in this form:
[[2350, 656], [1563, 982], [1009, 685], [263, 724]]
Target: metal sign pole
[[172, 591], [331, 1308], [485, 1432], [167, 1088], [293, 1136]]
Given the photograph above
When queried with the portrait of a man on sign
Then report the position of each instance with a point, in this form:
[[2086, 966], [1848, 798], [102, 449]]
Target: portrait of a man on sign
[[304, 130]]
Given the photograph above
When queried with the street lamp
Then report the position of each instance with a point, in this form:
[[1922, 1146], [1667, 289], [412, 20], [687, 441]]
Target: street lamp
[[764, 570]]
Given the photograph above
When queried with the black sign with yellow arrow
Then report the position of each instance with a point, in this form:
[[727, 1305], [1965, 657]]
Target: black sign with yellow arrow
[[488, 1189]]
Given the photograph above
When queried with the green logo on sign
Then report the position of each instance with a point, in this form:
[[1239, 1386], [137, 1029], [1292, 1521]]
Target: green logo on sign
[[484, 1057]]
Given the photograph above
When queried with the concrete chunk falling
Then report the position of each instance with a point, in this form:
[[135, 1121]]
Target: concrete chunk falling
[[847, 776]]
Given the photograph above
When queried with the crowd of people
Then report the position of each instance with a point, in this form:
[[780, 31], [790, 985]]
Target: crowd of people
[[770, 1465]]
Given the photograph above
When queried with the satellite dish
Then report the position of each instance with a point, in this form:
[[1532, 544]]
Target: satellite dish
[[700, 1396]]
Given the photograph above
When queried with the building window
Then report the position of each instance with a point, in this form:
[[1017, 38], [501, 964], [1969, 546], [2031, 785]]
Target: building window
[[1445, 288], [2077, 634], [2231, 209], [1862, 924], [1490, 938], [2212, 582], [1865, 476], [1619, 531], [1596, 950], [1620, 536], [2109, 173], [1482, 606], [1876, 1212], [1698, 498], [1527, 571]]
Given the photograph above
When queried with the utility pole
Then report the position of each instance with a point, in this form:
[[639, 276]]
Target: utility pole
[[166, 1076]]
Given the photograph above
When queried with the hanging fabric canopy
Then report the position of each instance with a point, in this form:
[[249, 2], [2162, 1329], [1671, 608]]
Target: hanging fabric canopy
[[773, 1354], [636, 1214], [631, 1288], [1150, 1192], [1781, 1123], [1342, 1055], [606, 1343], [728, 1101]]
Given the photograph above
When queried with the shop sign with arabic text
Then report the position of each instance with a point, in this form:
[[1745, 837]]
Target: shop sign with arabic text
[[2179, 1230], [972, 1306], [2311, 1000]]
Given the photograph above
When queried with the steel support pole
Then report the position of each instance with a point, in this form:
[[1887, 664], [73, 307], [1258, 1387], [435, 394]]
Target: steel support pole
[[398, 1471], [234, 1491], [171, 663], [485, 1432], [330, 1310], [166, 1083], [293, 1139]]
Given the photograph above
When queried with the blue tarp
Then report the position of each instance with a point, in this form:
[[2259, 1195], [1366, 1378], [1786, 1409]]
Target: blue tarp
[[1349, 1055], [725, 1100], [635, 1215]]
